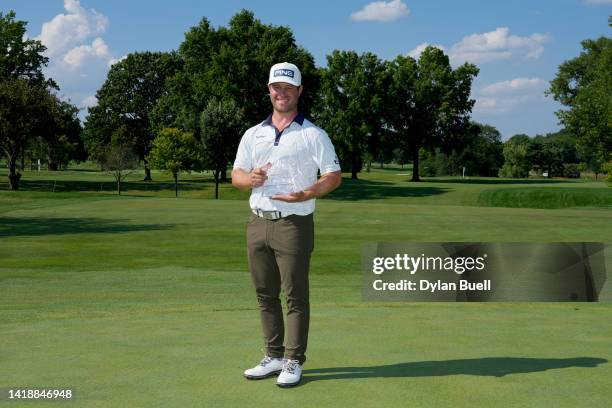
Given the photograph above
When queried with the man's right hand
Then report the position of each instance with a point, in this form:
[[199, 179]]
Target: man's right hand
[[259, 176]]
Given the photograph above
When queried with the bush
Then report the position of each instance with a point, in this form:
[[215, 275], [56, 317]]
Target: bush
[[571, 170], [607, 168]]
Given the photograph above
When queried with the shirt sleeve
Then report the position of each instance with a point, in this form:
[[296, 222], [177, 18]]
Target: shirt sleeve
[[244, 156], [325, 154]]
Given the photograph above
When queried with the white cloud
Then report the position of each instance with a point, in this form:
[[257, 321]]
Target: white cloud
[[515, 85], [113, 61], [597, 1], [66, 31], [76, 57], [79, 58], [418, 50], [381, 11], [506, 96], [497, 45], [89, 101]]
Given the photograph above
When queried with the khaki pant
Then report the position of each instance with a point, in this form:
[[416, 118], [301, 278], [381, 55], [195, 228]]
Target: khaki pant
[[279, 257]]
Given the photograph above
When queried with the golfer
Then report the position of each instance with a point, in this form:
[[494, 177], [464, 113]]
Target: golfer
[[278, 159]]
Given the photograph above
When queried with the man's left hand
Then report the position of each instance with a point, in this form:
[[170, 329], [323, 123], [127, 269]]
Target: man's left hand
[[296, 197]]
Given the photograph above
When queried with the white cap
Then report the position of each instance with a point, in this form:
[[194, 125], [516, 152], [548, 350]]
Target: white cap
[[285, 72]]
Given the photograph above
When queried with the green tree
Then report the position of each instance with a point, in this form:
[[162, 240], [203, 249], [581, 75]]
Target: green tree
[[607, 169], [516, 162], [551, 153], [479, 152], [589, 160], [400, 157], [25, 100], [431, 103], [60, 138], [24, 109], [127, 99], [485, 154], [584, 85], [222, 123], [174, 150], [119, 158], [62, 134], [520, 138], [350, 105], [232, 62], [21, 58]]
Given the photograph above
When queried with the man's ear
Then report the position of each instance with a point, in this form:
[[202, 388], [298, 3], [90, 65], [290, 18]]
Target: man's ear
[[301, 89]]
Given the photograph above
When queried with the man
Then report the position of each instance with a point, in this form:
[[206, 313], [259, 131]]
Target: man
[[278, 159]]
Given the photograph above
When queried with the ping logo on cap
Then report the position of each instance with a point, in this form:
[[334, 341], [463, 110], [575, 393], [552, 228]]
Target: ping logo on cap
[[283, 72]]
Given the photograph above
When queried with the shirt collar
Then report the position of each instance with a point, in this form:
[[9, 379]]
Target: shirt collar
[[299, 119]]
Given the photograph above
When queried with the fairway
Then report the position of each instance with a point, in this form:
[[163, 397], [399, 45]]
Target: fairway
[[144, 300]]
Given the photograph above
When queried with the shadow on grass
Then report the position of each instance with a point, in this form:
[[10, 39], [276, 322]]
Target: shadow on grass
[[45, 185], [389, 169], [488, 366], [351, 190], [36, 226], [495, 181]]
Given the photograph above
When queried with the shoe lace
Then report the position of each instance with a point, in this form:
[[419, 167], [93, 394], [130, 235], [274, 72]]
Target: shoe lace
[[290, 366], [266, 360]]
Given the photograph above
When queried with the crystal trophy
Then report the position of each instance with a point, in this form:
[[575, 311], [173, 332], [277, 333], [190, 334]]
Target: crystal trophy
[[284, 175]]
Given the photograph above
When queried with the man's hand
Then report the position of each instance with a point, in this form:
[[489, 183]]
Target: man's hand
[[259, 176], [326, 184], [296, 197], [246, 180]]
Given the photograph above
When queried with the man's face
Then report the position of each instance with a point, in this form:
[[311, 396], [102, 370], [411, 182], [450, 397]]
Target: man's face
[[284, 96]]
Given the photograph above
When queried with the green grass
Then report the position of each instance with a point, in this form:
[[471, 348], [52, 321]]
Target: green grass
[[144, 300], [546, 198]]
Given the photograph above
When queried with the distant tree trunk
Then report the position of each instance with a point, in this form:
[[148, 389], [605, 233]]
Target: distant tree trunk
[[23, 160], [224, 175], [415, 164], [354, 165], [216, 174], [175, 184], [14, 175], [147, 171], [119, 185]]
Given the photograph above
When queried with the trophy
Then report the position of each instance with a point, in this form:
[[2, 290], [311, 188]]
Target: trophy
[[284, 176]]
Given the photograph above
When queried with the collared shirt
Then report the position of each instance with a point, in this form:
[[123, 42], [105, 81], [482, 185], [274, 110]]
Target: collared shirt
[[296, 154]]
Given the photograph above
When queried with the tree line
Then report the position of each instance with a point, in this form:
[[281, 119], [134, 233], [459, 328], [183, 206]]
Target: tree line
[[187, 109]]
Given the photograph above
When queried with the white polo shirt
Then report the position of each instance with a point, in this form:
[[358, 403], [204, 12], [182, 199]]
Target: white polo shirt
[[301, 149]]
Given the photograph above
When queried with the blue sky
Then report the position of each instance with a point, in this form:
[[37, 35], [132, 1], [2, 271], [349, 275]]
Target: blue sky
[[518, 45]]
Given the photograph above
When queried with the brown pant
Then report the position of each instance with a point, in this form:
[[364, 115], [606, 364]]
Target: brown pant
[[279, 257]]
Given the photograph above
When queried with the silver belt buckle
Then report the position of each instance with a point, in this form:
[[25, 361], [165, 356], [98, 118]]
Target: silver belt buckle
[[270, 215]]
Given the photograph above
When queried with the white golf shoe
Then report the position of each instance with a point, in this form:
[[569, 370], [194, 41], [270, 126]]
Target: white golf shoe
[[290, 375], [267, 367]]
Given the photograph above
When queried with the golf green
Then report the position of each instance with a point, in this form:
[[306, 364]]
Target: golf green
[[144, 300]]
